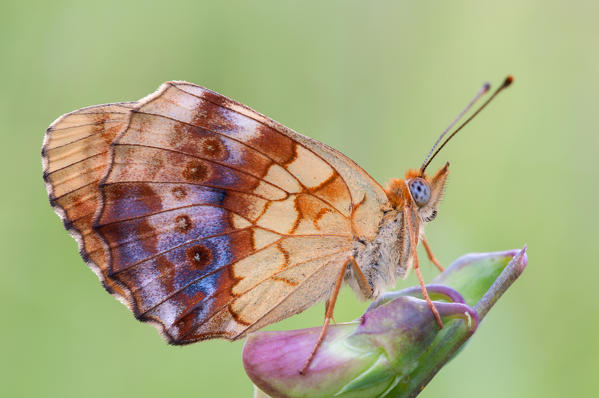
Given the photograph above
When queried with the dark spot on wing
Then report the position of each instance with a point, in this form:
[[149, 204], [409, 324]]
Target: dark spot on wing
[[179, 192], [183, 223], [199, 256], [196, 171]]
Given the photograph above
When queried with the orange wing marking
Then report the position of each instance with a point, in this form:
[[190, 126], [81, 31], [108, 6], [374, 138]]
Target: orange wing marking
[[316, 188]]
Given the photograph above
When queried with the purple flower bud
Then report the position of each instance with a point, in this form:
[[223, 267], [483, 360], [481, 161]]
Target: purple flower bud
[[396, 347]]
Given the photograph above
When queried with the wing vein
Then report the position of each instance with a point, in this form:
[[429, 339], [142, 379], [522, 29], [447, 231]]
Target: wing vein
[[77, 162], [87, 136]]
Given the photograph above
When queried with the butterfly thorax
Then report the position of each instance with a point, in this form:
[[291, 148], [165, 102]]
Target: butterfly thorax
[[414, 201]]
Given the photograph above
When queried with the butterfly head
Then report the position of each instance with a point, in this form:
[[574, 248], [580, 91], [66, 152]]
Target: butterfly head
[[419, 191]]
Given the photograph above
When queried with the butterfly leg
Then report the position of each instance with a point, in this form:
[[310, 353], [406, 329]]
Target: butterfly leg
[[361, 278], [362, 282], [326, 305], [327, 317], [431, 256], [413, 243]]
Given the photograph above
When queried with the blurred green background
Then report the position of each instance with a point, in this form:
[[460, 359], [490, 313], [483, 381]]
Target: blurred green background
[[379, 80]]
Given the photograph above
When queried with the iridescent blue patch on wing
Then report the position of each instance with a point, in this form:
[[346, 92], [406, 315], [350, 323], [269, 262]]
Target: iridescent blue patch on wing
[[177, 278], [137, 240]]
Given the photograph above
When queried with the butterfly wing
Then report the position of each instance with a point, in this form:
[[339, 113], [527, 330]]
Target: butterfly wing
[[75, 157], [219, 221]]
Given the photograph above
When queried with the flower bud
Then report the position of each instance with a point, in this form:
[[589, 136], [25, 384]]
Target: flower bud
[[396, 347]]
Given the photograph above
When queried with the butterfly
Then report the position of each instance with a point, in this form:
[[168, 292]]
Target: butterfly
[[209, 220]]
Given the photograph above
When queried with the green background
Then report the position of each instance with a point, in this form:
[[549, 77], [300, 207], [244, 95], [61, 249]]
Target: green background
[[379, 80]]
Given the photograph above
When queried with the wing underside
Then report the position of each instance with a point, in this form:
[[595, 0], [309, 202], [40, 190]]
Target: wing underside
[[206, 218]]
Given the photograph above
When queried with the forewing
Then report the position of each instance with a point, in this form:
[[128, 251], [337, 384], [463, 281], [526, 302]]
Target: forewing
[[75, 157]]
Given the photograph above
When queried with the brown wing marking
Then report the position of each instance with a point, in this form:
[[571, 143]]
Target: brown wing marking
[[208, 111]]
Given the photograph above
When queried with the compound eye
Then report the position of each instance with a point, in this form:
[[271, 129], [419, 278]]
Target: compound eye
[[420, 191]]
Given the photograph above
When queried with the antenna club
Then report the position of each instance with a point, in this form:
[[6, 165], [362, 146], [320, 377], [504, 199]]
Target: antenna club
[[486, 87], [508, 80]]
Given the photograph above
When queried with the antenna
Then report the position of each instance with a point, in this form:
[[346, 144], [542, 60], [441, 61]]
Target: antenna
[[480, 93], [508, 80]]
